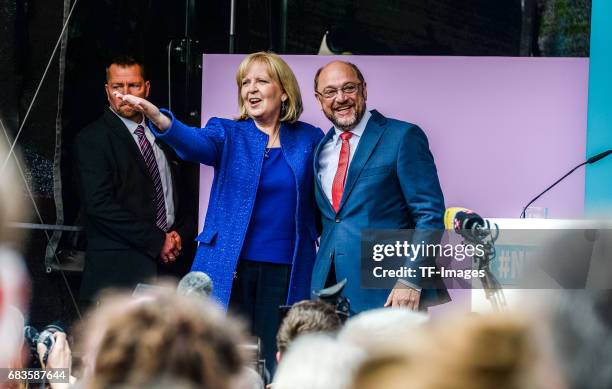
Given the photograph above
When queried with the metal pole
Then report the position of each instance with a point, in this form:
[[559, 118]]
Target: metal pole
[[528, 11], [283, 32], [232, 37]]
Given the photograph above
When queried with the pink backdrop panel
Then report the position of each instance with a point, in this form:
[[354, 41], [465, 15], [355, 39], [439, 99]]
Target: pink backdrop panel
[[500, 129]]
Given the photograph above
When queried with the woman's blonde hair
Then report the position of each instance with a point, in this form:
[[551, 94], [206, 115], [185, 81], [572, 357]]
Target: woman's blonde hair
[[281, 72]]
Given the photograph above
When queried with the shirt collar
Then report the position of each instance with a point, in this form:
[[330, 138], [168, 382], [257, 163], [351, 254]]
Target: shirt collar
[[359, 128], [131, 125]]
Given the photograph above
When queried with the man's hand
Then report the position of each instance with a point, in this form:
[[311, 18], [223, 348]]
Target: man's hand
[[177, 240], [404, 296], [150, 110], [172, 247]]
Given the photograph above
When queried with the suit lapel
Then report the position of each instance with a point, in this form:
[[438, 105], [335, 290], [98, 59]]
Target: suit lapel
[[122, 132], [315, 162], [367, 143]]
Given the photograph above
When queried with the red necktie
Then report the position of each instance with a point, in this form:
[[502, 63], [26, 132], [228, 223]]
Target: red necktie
[[340, 177]]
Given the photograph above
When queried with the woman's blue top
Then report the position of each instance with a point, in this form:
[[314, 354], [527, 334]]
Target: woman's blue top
[[271, 233]]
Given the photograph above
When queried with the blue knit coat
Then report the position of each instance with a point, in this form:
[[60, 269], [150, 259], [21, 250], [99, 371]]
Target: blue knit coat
[[235, 148]]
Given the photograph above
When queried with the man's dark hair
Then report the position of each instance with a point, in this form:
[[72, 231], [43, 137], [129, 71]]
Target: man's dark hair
[[306, 317], [352, 65], [125, 61]]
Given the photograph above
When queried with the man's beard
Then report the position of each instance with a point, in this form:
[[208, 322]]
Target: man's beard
[[347, 124], [127, 112]]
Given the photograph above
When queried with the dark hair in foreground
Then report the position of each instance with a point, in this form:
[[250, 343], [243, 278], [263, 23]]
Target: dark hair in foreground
[[306, 317], [125, 61]]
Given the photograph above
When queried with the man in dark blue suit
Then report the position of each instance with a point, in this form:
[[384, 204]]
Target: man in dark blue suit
[[372, 172]]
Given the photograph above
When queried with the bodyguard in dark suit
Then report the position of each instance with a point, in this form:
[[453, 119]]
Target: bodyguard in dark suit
[[372, 172], [135, 222]]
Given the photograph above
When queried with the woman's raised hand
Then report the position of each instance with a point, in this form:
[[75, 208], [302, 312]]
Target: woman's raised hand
[[160, 120]]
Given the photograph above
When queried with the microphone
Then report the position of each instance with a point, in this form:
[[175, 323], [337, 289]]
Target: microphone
[[457, 218], [195, 283], [473, 228], [470, 225], [589, 161], [599, 156]]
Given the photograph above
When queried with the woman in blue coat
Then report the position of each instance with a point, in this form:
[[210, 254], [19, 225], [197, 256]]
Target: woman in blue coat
[[258, 242]]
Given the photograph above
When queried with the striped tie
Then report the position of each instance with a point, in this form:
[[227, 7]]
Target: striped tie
[[149, 157]]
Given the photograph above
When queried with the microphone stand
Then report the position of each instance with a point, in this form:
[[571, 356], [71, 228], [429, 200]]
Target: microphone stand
[[591, 160], [491, 286], [549, 188]]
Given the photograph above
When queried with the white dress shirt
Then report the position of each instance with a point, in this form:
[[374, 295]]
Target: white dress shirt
[[330, 153], [162, 164]]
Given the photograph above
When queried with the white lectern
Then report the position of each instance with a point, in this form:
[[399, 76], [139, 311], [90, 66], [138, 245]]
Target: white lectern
[[599, 268]]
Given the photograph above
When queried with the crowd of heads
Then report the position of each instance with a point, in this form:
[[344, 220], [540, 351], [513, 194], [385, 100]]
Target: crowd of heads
[[166, 339], [561, 342]]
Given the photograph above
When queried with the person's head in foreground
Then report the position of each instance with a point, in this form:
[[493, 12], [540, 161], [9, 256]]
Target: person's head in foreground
[[378, 328], [306, 317], [580, 343], [475, 352], [317, 361], [14, 280], [135, 342]]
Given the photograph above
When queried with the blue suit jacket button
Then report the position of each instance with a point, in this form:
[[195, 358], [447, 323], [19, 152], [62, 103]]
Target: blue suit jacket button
[[337, 220]]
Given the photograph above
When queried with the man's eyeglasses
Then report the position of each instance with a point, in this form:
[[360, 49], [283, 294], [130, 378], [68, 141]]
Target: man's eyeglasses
[[349, 88]]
